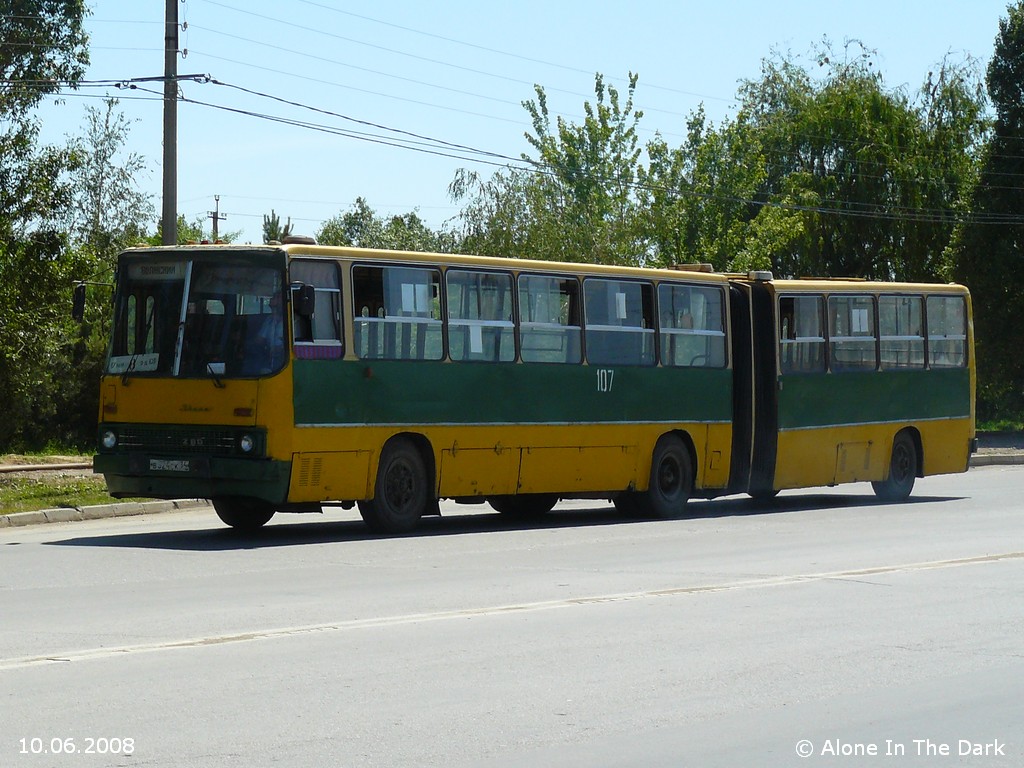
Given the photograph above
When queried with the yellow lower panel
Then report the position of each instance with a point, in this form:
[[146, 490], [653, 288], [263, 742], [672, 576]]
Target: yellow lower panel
[[479, 471], [548, 470], [814, 457], [485, 460], [329, 476], [946, 445]]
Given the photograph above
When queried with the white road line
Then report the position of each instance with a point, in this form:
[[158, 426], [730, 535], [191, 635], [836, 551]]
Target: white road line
[[92, 654]]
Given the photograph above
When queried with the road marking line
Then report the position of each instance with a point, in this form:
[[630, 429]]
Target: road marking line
[[418, 618]]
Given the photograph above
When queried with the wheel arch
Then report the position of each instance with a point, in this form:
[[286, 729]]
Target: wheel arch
[[915, 437], [696, 474], [422, 446]]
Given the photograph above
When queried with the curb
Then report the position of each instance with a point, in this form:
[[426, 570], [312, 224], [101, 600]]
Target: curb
[[72, 514], [996, 459], [7, 468]]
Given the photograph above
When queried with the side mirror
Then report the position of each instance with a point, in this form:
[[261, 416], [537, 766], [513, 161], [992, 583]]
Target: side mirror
[[305, 300], [78, 302]]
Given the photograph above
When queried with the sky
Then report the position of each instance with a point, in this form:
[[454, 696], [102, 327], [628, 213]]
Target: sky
[[448, 74]]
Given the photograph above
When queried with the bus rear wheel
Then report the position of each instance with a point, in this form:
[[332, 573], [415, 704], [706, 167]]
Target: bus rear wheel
[[401, 494], [671, 480], [902, 470], [243, 514], [524, 505]]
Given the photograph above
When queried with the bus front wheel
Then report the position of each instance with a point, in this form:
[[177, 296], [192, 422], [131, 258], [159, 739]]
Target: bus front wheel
[[902, 470], [671, 480], [401, 494], [243, 514]]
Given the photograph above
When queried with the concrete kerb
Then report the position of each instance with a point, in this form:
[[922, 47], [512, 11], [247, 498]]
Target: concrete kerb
[[98, 512], [997, 459]]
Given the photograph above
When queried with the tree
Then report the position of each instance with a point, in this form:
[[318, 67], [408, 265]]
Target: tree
[[361, 227], [108, 211], [697, 197], [272, 229], [44, 47], [577, 202], [861, 180], [191, 232], [988, 249], [586, 182]]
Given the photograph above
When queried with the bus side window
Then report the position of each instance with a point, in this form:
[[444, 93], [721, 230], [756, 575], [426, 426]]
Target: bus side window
[[317, 336], [851, 331], [901, 331], [480, 326], [802, 334], [549, 319], [403, 306], [619, 322], [692, 326], [947, 332]]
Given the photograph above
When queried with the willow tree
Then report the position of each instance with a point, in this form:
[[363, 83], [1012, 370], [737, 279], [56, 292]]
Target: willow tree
[[870, 179]]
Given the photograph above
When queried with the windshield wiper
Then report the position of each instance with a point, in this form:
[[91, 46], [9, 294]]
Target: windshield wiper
[[216, 378], [128, 370]]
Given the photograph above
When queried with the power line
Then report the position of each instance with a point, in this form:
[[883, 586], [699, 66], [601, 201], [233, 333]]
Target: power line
[[497, 51], [429, 60]]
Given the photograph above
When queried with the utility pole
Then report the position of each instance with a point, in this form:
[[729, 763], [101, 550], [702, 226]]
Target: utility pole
[[170, 202], [215, 215]]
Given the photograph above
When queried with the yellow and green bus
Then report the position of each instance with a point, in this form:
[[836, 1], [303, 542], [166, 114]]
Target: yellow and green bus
[[283, 378]]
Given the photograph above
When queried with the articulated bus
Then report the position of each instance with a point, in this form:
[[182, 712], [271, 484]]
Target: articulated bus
[[284, 378]]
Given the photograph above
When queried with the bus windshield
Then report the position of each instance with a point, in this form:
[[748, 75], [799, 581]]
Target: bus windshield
[[198, 320]]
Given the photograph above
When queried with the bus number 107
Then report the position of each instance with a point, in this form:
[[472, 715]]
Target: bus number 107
[[605, 377]]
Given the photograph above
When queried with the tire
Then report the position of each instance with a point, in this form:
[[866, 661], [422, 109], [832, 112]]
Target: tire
[[902, 470], [243, 514], [525, 505], [763, 496], [401, 492], [671, 480]]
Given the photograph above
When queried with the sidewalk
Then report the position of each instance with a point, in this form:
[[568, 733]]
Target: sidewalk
[[994, 449]]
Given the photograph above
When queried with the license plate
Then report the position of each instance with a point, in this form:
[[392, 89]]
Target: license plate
[[170, 465]]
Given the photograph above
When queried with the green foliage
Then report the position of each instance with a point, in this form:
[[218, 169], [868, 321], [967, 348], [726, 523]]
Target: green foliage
[[272, 229], [579, 204], [44, 43], [361, 227], [860, 180], [190, 232], [986, 251], [697, 197], [38, 378], [108, 211]]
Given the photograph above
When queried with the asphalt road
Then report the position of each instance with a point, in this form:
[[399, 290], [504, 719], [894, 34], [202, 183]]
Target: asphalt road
[[825, 623]]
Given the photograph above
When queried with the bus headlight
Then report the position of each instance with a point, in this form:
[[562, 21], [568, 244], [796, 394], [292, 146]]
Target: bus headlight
[[246, 443], [109, 439]]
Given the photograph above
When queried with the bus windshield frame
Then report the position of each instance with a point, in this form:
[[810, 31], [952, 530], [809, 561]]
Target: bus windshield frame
[[178, 315]]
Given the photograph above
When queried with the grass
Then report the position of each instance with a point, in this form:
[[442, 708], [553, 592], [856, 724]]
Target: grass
[[22, 493], [1001, 425]]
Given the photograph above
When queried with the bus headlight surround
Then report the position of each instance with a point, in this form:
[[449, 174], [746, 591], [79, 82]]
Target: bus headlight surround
[[246, 443], [109, 439]]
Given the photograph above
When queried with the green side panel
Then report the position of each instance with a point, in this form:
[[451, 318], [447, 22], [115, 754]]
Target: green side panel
[[399, 392], [818, 400]]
